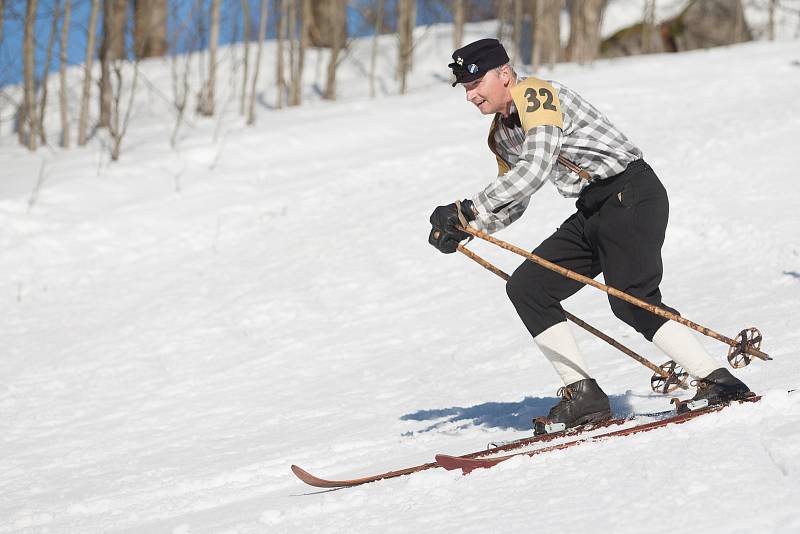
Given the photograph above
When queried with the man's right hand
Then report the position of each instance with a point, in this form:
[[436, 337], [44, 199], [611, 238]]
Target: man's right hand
[[445, 233]]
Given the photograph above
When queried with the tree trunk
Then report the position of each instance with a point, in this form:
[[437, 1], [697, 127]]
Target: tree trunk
[[374, 56], [321, 32], [2, 12], [299, 64], [62, 74], [503, 14], [323, 28], [28, 67], [584, 31], [51, 41], [405, 34], [292, 21], [459, 18], [119, 126], [115, 31], [412, 23], [180, 77], [150, 28], [738, 26], [91, 34], [516, 34], [105, 66], [262, 34], [648, 25], [339, 19], [546, 33], [281, 31], [207, 95], [246, 44], [770, 20], [115, 20]]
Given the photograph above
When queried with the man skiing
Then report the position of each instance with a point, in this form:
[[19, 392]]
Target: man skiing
[[543, 131]]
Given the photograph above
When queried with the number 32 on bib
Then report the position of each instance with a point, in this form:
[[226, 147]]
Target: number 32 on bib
[[537, 104]]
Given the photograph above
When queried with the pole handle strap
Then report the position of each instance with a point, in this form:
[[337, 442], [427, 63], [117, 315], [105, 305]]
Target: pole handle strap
[[463, 220]]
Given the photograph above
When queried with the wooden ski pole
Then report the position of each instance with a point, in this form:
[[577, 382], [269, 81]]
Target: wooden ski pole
[[742, 347], [586, 326]]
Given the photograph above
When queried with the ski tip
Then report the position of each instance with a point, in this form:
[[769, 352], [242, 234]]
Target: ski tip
[[300, 473], [308, 478]]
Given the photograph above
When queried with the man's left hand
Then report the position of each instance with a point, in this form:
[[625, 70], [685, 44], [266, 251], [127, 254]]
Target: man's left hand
[[445, 233]]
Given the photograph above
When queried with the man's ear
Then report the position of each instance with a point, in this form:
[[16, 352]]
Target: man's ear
[[505, 72]]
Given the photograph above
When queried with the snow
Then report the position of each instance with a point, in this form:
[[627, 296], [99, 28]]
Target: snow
[[182, 325]]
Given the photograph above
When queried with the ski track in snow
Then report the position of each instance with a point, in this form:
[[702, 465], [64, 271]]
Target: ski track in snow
[[176, 335]]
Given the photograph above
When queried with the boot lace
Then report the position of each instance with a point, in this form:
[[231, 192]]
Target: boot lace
[[565, 393], [700, 383]]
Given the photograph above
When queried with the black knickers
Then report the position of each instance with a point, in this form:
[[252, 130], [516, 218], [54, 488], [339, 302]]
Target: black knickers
[[618, 230]]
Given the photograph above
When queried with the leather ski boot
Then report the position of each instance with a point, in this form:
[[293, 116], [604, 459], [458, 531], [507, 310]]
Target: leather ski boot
[[581, 402], [719, 387]]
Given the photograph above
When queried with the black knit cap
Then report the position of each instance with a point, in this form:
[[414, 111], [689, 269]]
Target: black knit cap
[[472, 61]]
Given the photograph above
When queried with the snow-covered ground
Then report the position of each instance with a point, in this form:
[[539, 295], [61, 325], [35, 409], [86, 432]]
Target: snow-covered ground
[[181, 326]]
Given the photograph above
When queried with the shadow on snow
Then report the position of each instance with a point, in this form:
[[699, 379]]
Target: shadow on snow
[[504, 415]]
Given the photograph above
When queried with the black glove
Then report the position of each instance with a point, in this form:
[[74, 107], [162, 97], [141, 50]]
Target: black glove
[[445, 234]]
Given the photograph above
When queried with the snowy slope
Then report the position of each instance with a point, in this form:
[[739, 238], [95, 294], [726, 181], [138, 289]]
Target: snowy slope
[[181, 326]]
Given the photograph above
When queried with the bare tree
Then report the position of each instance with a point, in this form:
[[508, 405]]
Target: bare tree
[[291, 8], [281, 30], [150, 28], [180, 75], [115, 20], [113, 58], [323, 25], [770, 19], [62, 74], [206, 105], [516, 33], [648, 25], [28, 66], [412, 23], [405, 35], [546, 32], [459, 18], [503, 16], [200, 28], [118, 126], [584, 31], [46, 71], [374, 55], [2, 12], [298, 61], [262, 34], [339, 19], [87, 75], [246, 60], [739, 24]]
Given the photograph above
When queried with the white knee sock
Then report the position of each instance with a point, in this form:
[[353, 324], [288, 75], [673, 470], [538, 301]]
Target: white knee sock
[[558, 345], [681, 345]]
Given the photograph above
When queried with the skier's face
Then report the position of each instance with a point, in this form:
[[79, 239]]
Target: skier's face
[[490, 94]]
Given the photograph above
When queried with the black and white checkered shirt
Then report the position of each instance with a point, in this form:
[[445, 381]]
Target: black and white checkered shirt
[[588, 139]]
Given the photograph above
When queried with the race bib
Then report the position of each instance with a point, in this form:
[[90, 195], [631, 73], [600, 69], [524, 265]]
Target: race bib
[[537, 104]]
